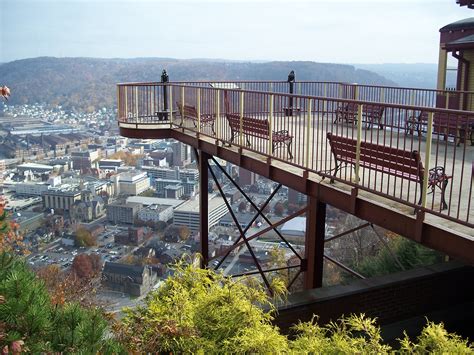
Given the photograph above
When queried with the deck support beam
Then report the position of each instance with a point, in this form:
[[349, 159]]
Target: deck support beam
[[203, 159], [314, 243]]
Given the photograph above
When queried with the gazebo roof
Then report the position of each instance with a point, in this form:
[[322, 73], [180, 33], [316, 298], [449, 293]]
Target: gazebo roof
[[467, 23]]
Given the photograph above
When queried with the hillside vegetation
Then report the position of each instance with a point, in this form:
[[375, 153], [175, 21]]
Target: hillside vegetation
[[89, 84]]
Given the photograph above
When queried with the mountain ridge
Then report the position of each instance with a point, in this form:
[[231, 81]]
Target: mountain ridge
[[89, 83]]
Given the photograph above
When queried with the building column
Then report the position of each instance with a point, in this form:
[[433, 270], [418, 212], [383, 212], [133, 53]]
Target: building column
[[442, 64], [204, 206], [314, 243]]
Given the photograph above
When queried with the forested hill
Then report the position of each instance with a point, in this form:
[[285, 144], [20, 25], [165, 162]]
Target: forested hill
[[88, 83], [417, 75]]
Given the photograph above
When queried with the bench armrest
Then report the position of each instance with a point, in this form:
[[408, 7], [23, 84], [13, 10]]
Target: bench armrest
[[283, 132], [282, 135]]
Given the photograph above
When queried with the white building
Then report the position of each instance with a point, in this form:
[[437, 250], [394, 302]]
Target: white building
[[35, 168], [188, 213], [156, 213], [147, 201], [132, 183], [31, 188]]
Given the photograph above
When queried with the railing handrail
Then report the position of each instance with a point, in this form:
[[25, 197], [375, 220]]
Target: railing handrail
[[299, 81], [313, 97]]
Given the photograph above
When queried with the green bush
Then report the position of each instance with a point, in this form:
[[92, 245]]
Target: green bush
[[195, 311], [27, 315]]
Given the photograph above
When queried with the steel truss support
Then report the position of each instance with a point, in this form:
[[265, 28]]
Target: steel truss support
[[260, 210], [243, 239], [349, 231], [314, 243], [242, 235]]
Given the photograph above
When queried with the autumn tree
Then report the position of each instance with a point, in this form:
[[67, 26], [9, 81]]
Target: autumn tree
[[64, 286], [86, 265], [127, 157], [84, 238], [184, 232], [278, 209], [292, 208], [171, 233], [11, 241]]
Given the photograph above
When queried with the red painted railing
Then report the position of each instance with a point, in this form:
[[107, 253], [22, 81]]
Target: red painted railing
[[228, 114]]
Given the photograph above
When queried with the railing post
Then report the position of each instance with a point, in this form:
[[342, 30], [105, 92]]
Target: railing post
[[447, 100], [429, 135], [241, 135], [182, 105], [356, 92], [359, 138], [270, 127], [218, 111], [198, 105], [171, 106], [136, 102], [308, 135], [339, 95], [412, 98], [382, 95], [126, 102], [325, 95]]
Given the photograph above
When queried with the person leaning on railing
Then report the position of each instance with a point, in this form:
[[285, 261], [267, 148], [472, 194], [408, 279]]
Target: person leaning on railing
[[5, 92]]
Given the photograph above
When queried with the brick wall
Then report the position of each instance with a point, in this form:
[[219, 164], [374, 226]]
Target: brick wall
[[388, 298]]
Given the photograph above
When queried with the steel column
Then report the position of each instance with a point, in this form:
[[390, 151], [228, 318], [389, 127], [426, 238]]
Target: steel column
[[314, 243], [204, 206]]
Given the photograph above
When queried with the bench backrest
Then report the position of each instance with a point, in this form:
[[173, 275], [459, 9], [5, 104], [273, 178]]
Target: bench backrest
[[253, 126], [187, 111], [367, 109], [443, 119], [449, 123], [447, 119], [373, 110], [389, 158]]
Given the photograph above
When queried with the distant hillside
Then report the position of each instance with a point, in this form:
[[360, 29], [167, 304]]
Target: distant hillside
[[88, 84], [419, 75]]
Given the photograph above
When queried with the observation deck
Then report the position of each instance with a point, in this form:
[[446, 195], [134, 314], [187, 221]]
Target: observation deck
[[284, 137]]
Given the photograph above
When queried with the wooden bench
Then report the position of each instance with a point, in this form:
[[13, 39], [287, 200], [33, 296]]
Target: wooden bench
[[393, 161], [188, 112], [458, 126], [259, 128], [370, 112]]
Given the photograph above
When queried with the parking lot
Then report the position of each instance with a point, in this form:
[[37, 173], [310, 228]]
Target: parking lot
[[63, 255]]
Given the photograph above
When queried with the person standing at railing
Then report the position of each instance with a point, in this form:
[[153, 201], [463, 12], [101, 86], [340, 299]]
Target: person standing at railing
[[291, 82], [165, 79]]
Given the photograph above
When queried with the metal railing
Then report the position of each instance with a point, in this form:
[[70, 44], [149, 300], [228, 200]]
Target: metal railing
[[265, 123], [449, 99]]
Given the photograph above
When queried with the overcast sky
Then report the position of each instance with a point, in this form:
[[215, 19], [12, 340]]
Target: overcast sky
[[337, 31]]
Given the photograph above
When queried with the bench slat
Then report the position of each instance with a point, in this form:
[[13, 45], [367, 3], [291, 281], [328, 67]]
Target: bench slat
[[390, 160]]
